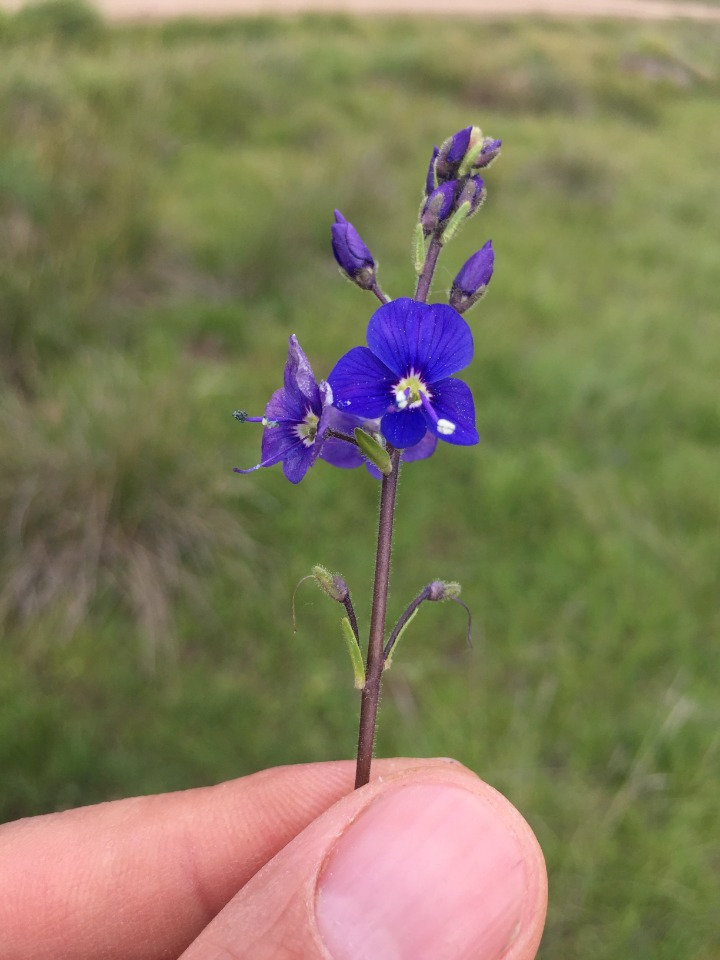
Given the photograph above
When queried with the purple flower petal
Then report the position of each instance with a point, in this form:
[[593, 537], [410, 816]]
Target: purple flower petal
[[278, 441], [299, 376], [439, 205], [452, 401], [423, 450], [286, 405], [475, 272], [341, 454], [430, 178], [458, 145], [361, 384], [298, 461], [403, 428], [420, 451], [431, 339]]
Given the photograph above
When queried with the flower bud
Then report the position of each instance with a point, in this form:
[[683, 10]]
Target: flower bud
[[474, 193], [452, 154], [439, 206], [442, 590], [374, 451], [431, 179], [331, 584], [471, 282], [353, 257], [488, 152]]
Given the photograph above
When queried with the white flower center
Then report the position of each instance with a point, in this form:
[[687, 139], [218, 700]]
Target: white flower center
[[307, 430], [409, 392]]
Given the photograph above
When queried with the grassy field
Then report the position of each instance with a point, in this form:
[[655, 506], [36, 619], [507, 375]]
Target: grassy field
[[165, 200]]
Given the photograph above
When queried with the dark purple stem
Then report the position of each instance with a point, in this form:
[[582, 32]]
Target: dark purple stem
[[350, 611], [379, 293], [397, 629], [375, 659], [425, 278], [341, 436]]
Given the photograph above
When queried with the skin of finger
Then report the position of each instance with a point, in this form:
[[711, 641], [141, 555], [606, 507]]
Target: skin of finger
[[273, 916], [138, 879]]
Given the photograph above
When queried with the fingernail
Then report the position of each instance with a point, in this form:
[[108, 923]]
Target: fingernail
[[429, 871]]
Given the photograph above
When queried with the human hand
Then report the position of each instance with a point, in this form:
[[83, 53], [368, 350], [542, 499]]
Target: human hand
[[426, 861]]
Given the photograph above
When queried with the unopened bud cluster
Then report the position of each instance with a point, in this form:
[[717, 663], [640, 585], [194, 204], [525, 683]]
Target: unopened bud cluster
[[455, 191], [453, 185]]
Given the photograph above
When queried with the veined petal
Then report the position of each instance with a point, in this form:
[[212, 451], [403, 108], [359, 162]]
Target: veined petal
[[422, 450], [298, 461], [453, 403], [432, 340], [361, 384], [299, 377], [403, 428], [278, 441], [340, 453], [286, 405]]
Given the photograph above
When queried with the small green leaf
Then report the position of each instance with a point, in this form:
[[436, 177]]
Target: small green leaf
[[455, 222], [470, 157], [375, 453], [419, 249], [355, 654], [388, 662]]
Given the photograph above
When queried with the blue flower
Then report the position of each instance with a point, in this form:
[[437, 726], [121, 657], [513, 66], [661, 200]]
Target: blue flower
[[404, 376], [296, 418]]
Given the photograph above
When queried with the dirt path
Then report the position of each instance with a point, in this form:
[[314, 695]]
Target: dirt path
[[638, 9]]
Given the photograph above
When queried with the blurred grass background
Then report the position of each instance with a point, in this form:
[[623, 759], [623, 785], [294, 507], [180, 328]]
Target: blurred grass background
[[165, 199]]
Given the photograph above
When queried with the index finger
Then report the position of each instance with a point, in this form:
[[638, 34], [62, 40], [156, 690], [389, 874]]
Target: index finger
[[139, 879]]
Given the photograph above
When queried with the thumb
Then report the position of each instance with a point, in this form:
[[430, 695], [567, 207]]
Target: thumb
[[428, 863]]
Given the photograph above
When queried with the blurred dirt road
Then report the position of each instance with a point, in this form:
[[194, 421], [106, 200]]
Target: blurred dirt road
[[642, 9]]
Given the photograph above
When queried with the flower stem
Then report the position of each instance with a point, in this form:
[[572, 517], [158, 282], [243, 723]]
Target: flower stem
[[425, 278], [375, 659], [379, 293], [350, 611], [406, 616]]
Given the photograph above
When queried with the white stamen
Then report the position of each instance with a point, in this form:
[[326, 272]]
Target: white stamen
[[445, 427], [269, 423], [401, 398]]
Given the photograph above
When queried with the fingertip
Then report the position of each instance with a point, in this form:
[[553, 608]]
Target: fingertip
[[424, 861], [439, 866]]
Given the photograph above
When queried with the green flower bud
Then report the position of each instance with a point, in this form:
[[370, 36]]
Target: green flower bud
[[331, 584], [374, 451]]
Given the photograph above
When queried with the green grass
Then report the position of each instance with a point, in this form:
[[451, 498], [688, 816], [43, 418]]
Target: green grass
[[165, 200]]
